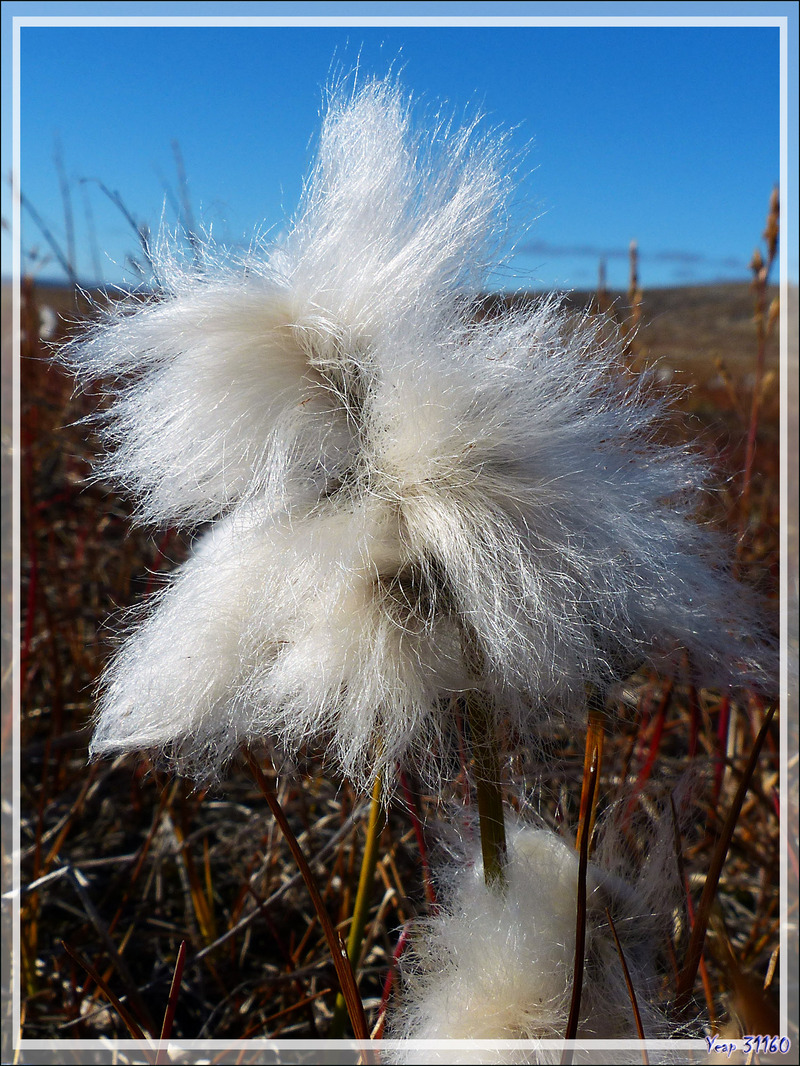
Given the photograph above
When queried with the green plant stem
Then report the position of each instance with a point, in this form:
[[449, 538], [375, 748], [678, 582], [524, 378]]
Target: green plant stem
[[490, 796], [361, 909]]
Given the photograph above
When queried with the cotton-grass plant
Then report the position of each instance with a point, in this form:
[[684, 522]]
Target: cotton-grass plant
[[408, 503], [414, 507]]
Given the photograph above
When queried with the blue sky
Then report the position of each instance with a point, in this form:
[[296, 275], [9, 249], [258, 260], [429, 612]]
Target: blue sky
[[668, 135]]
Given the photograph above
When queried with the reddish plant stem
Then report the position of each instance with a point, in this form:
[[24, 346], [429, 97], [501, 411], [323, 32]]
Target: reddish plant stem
[[344, 970]]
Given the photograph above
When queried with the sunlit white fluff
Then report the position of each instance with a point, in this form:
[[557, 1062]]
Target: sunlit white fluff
[[509, 524], [211, 393], [497, 964], [409, 501], [533, 479], [299, 627], [242, 370]]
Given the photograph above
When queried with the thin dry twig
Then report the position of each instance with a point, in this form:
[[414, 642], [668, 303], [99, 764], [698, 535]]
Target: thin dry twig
[[628, 984], [694, 953]]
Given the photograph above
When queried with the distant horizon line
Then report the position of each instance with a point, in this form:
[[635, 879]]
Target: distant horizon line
[[56, 283]]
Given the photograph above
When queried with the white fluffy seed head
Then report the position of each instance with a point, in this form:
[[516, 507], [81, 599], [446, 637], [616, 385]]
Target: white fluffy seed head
[[212, 392], [498, 964], [393, 219], [409, 502], [534, 477], [305, 628], [240, 371]]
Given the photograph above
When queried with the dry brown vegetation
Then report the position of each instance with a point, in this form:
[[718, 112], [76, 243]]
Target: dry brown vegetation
[[122, 865]]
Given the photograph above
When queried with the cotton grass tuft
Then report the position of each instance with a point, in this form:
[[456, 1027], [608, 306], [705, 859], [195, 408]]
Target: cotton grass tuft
[[239, 365], [497, 964], [409, 501]]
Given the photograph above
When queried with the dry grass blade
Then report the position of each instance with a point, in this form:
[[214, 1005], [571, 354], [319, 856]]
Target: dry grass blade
[[681, 867], [198, 891], [595, 739], [172, 1002], [765, 319], [133, 1027], [361, 908], [635, 298], [687, 975], [344, 971], [78, 881], [591, 780], [52, 243], [653, 746], [628, 984], [412, 807], [377, 1032], [755, 1012]]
